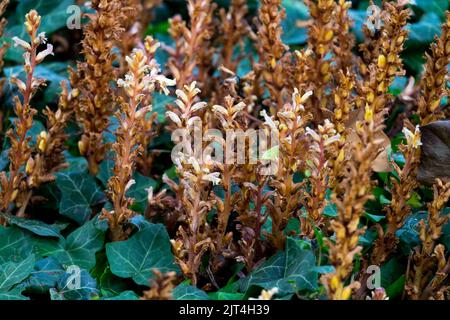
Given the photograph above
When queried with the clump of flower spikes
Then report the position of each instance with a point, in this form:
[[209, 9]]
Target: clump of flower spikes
[[193, 239], [15, 187], [142, 79], [96, 102], [433, 83], [426, 279]]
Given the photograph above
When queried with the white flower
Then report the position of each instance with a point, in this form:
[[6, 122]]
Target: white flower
[[181, 95], [332, 139], [192, 88], [198, 106], [313, 134], [41, 56], [266, 294], [22, 43], [298, 101], [268, 120], [42, 38], [127, 82], [193, 161], [238, 108], [143, 111], [213, 177], [219, 109], [149, 194], [164, 83], [194, 122], [129, 184], [174, 117], [413, 139]]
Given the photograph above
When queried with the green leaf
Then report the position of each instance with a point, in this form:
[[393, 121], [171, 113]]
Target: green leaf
[[374, 217], [14, 294], [296, 11], [46, 274], [53, 73], [126, 295], [409, 233], [391, 271], [330, 210], [112, 285], [77, 285], [15, 245], [135, 258], [324, 269], [106, 167], [414, 201], [227, 296], [437, 6], [79, 192], [80, 246], [424, 31], [289, 271], [37, 227], [12, 273], [395, 289], [76, 164], [185, 291], [159, 103], [384, 200]]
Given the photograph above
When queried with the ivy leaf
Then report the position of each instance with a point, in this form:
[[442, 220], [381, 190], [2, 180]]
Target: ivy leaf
[[53, 73], [159, 103], [424, 31], [227, 296], [75, 286], [409, 233], [76, 164], [14, 294], [126, 295], [79, 193], [11, 273], [14, 244], [374, 217], [185, 291], [395, 289], [296, 11], [330, 210], [80, 246], [437, 6], [111, 285], [289, 271], [135, 258], [106, 169], [37, 227], [46, 274], [324, 269]]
